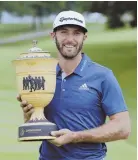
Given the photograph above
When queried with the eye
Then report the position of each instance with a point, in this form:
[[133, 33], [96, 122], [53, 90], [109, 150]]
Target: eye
[[63, 31], [77, 33]]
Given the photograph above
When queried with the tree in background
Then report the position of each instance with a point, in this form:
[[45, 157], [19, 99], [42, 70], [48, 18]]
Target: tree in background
[[42, 8], [112, 9], [37, 9], [11, 8], [2, 6]]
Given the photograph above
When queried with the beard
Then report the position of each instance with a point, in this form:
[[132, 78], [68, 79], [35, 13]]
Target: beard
[[66, 55]]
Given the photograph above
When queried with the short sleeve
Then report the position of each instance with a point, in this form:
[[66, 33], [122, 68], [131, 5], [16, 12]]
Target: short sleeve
[[112, 98]]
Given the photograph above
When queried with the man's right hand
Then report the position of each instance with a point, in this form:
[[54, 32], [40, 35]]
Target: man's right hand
[[28, 109]]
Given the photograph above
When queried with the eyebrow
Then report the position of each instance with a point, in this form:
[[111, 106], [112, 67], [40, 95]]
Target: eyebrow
[[76, 29]]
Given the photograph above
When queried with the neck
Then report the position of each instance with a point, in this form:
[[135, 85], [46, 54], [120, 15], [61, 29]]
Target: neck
[[69, 65]]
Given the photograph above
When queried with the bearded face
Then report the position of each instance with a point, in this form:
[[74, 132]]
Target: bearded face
[[69, 41]]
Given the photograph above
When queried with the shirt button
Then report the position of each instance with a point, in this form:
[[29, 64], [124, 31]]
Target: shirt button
[[64, 80], [63, 90]]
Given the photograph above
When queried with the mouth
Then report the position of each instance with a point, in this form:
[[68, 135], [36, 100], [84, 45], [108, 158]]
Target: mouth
[[69, 46]]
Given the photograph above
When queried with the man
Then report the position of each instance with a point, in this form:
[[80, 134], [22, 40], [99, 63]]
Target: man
[[86, 93]]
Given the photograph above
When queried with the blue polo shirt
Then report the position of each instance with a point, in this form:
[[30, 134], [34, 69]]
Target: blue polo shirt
[[81, 102]]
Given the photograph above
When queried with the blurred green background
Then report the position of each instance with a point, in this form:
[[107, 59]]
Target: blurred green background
[[114, 48]]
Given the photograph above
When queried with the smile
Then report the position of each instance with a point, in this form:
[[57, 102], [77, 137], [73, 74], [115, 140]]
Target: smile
[[69, 46]]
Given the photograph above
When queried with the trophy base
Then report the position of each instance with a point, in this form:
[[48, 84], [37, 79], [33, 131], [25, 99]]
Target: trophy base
[[36, 131]]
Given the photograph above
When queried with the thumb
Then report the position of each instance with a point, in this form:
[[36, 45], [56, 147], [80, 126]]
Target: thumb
[[56, 133], [60, 132]]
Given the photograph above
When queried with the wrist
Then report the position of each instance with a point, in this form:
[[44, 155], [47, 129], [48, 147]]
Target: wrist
[[78, 137]]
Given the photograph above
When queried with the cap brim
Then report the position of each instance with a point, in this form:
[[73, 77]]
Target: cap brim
[[84, 29]]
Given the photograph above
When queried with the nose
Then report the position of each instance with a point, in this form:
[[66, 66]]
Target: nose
[[69, 38]]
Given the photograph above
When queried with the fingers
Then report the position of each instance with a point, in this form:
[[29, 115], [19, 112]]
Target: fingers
[[56, 133], [29, 112], [60, 132], [23, 104], [27, 108], [55, 142], [63, 136], [19, 98]]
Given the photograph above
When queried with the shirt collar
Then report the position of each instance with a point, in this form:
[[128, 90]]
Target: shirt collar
[[58, 69], [80, 69]]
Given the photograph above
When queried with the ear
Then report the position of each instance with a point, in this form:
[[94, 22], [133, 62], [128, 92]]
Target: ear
[[52, 35], [85, 36]]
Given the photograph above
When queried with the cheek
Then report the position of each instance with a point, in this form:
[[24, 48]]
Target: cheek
[[80, 39], [61, 40], [80, 42]]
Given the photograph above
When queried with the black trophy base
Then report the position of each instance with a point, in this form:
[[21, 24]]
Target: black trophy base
[[36, 131]]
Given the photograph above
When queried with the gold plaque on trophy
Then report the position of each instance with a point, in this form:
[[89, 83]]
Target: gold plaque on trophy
[[36, 82]]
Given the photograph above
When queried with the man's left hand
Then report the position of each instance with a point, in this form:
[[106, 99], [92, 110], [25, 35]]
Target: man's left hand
[[63, 136]]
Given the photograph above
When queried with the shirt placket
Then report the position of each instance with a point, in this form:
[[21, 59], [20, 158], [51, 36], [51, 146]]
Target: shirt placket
[[63, 88]]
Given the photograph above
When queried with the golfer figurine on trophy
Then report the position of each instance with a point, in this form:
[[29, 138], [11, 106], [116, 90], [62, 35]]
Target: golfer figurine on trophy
[[36, 81]]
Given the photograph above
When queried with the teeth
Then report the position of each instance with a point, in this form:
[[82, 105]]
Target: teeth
[[69, 46]]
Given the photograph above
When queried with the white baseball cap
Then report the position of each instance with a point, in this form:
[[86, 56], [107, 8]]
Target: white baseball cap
[[69, 18]]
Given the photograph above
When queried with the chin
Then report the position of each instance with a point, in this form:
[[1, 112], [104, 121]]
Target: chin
[[69, 56]]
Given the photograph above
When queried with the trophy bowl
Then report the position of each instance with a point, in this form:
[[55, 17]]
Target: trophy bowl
[[36, 82]]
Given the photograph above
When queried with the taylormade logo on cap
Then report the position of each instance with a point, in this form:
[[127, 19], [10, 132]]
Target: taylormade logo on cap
[[69, 17]]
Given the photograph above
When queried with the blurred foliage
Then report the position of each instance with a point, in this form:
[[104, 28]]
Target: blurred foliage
[[112, 9]]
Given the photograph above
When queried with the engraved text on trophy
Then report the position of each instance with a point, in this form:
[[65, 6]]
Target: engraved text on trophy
[[33, 83]]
